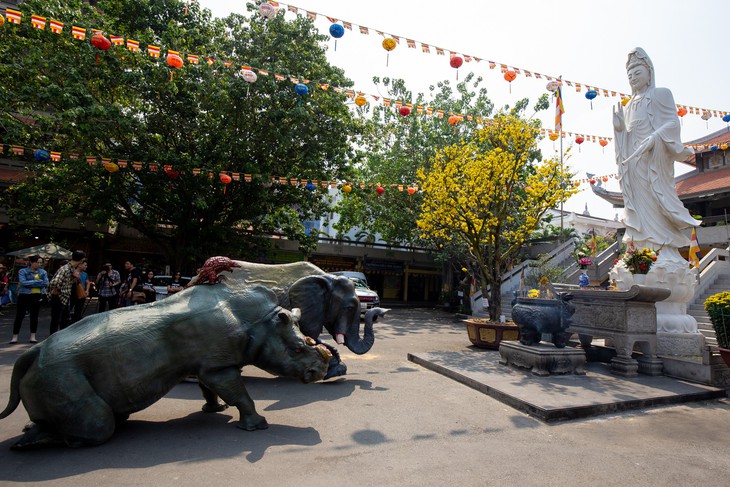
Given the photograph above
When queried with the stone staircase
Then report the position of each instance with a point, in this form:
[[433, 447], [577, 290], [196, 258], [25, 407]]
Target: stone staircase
[[697, 309]]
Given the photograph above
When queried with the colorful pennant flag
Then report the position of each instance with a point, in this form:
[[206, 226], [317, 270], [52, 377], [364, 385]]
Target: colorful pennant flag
[[132, 45], [78, 32], [38, 22], [153, 51], [56, 26], [694, 249], [13, 16], [116, 40], [55, 156], [559, 110]]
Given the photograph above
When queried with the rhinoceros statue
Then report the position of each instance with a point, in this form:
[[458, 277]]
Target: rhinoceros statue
[[77, 384]]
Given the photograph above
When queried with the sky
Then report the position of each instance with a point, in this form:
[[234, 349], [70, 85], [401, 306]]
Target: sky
[[584, 42]]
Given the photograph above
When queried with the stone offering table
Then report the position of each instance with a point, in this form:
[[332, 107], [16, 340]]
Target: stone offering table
[[626, 318]]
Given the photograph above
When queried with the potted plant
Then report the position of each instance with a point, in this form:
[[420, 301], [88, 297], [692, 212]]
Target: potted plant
[[485, 333], [639, 261], [718, 307]]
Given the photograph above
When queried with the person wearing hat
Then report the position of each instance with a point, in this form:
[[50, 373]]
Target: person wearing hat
[[32, 282]]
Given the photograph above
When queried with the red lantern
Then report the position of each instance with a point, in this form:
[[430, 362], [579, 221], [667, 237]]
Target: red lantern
[[225, 179], [592, 181], [380, 189], [579, 140], [456, 61], [603, 142], [172, 173], [405, 110], [411, 190], [510, 77], [682, 112], [100, 42]]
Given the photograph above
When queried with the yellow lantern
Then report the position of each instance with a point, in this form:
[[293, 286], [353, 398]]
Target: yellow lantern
[[553, 136], [346, 188], [360, 100], [388, 44], [111, 167]]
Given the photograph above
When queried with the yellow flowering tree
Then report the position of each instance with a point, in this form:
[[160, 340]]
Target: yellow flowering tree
[[489, 193]]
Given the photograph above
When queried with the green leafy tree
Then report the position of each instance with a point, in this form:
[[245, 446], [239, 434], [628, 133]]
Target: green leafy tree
[[65, 95], [490, 192], [396, 146]]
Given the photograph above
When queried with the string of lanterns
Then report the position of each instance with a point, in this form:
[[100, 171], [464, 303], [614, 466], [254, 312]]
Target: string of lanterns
[[510, 73], [114, 165], [249, 73]]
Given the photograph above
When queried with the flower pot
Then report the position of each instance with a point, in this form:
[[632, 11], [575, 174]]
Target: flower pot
[[725, 354], [489, 334]]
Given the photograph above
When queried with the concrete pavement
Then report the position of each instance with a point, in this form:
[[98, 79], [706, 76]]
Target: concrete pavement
[[388, 422]]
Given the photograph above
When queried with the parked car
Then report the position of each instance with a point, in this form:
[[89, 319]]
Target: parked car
[[161, 283], [368, 298]]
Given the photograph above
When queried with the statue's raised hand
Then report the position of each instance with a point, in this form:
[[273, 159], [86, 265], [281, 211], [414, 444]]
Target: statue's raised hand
[[618, 117]]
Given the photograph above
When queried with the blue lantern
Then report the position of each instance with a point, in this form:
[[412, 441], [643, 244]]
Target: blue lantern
[[336, 31], [301, 89], [310, 186], [42, 155], [713, 147], [726, 119], [591, 94]]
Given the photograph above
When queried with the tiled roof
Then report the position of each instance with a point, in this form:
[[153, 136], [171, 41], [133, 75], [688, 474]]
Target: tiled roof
[[704, 182], [716, 138]]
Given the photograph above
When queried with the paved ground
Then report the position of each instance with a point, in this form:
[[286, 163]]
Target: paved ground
[[388, 422]]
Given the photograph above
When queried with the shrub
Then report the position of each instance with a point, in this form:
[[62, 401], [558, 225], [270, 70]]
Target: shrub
[[718, 307]]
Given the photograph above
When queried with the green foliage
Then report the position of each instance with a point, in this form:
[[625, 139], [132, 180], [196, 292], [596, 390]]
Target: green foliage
[[542, 268], [395, 147], [129, 106], [718, 307]]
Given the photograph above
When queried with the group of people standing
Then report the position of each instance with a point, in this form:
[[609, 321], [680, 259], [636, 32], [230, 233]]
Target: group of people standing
[[70, 286]]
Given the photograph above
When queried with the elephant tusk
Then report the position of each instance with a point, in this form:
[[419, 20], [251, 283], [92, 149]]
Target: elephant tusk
[[324, 352]]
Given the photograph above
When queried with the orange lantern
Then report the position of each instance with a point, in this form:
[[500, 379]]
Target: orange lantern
[[453, 119], [388, 44], [411, 190], [360, 100], [553, 136], [174, 61], [625, 101], [576, 183], [603, 142], [604, 179], [510, 77], [682, 112]]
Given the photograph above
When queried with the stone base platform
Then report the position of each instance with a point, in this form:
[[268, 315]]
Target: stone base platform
[[561, 397], [543, 360]]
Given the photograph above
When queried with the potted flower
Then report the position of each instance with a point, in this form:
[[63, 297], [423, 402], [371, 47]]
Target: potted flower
[[583, 279], [718, 307], [639, 261]]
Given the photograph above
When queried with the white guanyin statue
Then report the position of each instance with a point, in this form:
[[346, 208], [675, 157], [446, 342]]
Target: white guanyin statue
[[647, 143]]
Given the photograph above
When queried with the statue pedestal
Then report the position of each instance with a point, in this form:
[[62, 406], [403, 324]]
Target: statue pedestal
[[677, 332], [543, 360]]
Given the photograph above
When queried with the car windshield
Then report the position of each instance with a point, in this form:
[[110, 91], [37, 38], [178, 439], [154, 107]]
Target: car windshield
[[359, 283]]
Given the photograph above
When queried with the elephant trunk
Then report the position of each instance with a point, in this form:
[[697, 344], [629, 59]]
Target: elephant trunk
[[353, 341]]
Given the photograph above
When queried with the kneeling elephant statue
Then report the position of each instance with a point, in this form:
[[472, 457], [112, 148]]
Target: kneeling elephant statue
[[327, 302], [77, 384]]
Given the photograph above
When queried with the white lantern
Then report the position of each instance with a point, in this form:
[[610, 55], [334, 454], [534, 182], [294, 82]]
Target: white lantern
[[267, 10], [552, 85], [249, 76]]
